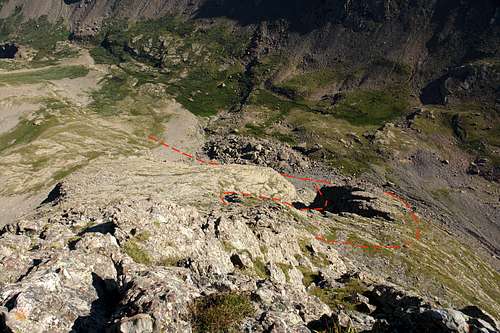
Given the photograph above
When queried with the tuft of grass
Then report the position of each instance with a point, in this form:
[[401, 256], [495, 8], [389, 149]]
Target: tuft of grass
[[221, 312], [43, 75], [308, 276], [331, 235], [318, 259], [286, 269], [143, 236], [228, 247], [134, 251], [260, 268]]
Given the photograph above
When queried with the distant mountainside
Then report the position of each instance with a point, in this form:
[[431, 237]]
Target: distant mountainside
[[421, 37]]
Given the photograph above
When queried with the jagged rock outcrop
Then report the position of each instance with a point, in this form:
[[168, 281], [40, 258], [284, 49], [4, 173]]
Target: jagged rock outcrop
[[467, 83], [134, 247], [245, 150], [355, 200]]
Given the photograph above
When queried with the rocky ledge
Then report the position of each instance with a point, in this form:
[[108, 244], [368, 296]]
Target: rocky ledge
[[141, 246]]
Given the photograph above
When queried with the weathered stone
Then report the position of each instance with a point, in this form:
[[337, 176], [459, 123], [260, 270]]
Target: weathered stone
[[141, 323]]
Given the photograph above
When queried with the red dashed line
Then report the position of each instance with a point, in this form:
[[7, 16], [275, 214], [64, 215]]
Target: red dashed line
[[407, 205], [412, 213], [336, 242], [321, 181], [178, 151]]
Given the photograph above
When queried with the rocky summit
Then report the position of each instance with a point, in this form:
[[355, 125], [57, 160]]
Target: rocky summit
[[249, 166]]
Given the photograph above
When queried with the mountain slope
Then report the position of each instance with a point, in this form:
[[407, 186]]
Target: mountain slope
[[249, 166], [147, 257]]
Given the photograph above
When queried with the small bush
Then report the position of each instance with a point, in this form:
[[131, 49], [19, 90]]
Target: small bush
[[221, 312]]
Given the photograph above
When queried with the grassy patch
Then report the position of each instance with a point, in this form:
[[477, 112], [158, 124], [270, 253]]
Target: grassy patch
[[25, 132], [198, 60], [280, 108], [103, 56], [42, 35], [201, 91], [336, 298], [355, 163], [260, 268], [61, 174], [113, 89], [355, 239], [308, 276], [477, 129], [307, 83], [441, 193], [372, 107], [143, 236], [221, 312], [318, 259], [9, 24], [39, 34], [43, 75], [331, 235], [286, 269], [134, 251]]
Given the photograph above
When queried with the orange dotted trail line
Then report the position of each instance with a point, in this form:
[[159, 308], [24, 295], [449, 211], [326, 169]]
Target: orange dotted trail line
[[320, 181], [261, 197], [322, 209], [254, 196], [180, 152], [410, 210]]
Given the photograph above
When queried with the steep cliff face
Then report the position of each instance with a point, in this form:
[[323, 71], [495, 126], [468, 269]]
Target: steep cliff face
[[419, 37]]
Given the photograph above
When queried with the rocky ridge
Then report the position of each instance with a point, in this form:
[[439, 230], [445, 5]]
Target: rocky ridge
[[138, 261]]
